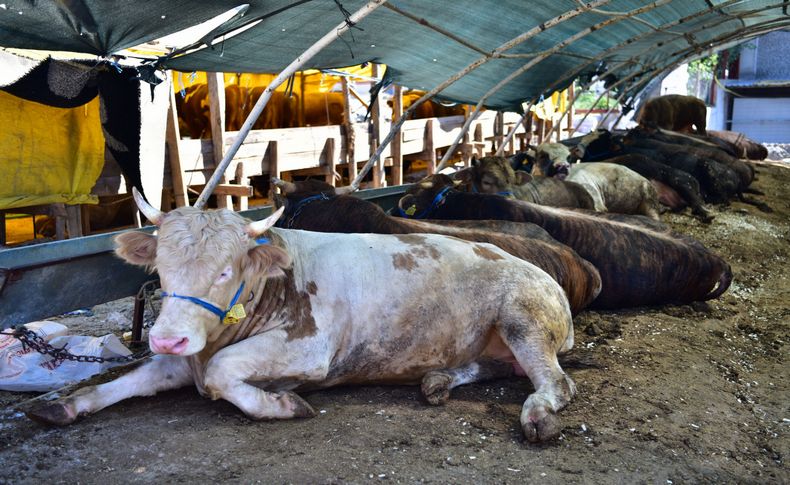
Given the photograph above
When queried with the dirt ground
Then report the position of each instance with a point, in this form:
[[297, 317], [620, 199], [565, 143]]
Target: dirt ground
[[676, 394]]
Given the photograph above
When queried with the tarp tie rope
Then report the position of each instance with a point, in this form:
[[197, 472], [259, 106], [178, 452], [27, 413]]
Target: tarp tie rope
[[351, 25]]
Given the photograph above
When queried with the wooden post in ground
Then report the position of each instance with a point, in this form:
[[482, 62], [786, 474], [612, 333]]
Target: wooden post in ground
[[330, 161], [499, 130], [349, 137], [241, 178], [569, 125], [274, 167], [172, 136], [377, 130], [430, 147], [396, 145], [216, 100]]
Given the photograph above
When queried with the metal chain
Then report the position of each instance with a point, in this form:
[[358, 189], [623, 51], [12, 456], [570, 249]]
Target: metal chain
[[147, 293], [31, 339]]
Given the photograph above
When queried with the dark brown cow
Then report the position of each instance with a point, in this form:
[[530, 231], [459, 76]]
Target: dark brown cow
[[675, 112], [746, 147], [312, 205], [640, 263]]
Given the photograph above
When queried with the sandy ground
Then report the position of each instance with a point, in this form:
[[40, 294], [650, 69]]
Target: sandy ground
[[667, 395]]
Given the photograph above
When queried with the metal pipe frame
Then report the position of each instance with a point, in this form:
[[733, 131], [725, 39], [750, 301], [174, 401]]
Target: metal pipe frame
[[308, 54]]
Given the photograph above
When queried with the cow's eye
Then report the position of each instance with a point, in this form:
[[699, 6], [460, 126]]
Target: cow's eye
[[226, 274]]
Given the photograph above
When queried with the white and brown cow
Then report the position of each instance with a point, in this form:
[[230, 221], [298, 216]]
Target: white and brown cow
[[328, 309], [613, 188]]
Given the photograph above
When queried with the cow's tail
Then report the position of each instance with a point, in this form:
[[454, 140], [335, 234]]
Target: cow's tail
[[724, 282]]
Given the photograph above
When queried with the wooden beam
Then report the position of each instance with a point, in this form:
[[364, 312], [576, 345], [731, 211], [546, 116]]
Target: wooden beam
[[348, 129], [228, 190], [241, 178], [430, 147], [274, 167], [216, 98], [377, 130], [172, 138], [330, 161], [396, 146]]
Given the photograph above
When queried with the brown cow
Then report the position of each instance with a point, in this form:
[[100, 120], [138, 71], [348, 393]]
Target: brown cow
[[314, 205], [640, 261], [675, 112]]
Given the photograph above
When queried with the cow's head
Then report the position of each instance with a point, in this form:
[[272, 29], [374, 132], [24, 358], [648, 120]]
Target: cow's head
[[493, 175], [295, 194], [201, 256], [424, 195], [552, 160], [595, 145]]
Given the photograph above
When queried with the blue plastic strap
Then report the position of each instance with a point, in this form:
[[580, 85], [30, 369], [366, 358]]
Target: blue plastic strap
[[208, 306]]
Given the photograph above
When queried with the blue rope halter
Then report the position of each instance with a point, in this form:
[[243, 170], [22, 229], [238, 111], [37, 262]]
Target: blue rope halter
[[437, 201], [210, 306]]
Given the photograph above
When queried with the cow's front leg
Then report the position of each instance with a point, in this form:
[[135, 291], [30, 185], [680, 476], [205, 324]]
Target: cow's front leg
[[161, 373], [266, 362]]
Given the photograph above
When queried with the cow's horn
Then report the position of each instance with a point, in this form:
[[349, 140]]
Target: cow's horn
[[257, 228], [286, 187], [426, 184], [344, 190], [153, 215]]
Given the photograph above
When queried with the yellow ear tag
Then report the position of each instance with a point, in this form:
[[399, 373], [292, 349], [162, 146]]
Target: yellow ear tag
[[411, 210], [235, 314]]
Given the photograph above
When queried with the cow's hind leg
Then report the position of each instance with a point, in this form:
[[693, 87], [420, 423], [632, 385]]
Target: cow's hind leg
[[534, 345], [436, 385]]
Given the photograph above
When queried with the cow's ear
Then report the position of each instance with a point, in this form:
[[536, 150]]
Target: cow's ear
[[266, 260], [522, 177], [136, 248], [463, 176]]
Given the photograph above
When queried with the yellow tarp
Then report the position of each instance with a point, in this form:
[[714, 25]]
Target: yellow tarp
[[48, 155], [551, 108]]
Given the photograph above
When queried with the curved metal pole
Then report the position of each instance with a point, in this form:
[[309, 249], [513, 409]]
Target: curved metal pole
[[469, 68], [538, 59], [576, 71], [267, 94]]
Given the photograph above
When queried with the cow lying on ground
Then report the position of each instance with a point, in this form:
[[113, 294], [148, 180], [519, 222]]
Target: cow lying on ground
[[640, 262], [495, 175], [253, 321], [745, 147], [674, 112], [613, 188], [313, 205]]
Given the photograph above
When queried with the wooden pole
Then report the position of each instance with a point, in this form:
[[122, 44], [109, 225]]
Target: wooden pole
[[172, 138], [348, 129], [397, 142], [216, 100], [267, 93]]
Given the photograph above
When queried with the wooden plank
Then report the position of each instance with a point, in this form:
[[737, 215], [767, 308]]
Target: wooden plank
[[396, 144], [74, 221], [216, 97], [234, 190], [329, 161]]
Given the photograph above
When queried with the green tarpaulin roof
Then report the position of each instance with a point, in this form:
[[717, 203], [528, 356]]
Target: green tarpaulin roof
[[422, 42]]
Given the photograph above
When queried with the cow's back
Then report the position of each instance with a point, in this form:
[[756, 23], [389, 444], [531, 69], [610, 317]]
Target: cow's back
[[385, 303]]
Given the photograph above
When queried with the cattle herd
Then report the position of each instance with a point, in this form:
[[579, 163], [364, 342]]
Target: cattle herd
[[475, 275]]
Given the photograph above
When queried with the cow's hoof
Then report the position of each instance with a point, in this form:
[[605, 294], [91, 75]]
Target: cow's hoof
[[54, 412], [542, 428], [299, 407], [436, 387]]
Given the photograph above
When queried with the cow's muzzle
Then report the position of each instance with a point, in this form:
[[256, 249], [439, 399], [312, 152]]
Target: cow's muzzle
[[561, 170], [173, 345]]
